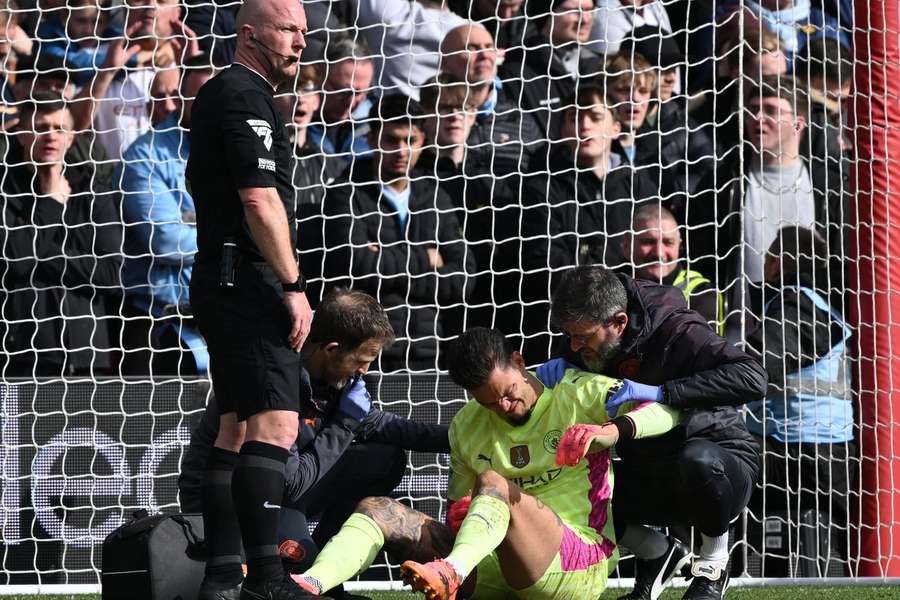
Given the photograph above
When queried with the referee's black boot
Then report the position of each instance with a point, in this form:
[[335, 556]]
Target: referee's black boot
[[652, 576], [210, 590], [277, 589], [709, 582]]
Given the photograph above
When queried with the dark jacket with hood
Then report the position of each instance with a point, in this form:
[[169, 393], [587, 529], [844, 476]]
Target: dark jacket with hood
[[365, 241], [325, 433], [666, 344]]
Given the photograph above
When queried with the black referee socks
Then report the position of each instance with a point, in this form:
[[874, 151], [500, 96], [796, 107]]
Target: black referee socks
[[220, 524], [257, 489]]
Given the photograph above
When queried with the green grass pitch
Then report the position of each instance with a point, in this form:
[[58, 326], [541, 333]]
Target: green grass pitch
[[756, 593]]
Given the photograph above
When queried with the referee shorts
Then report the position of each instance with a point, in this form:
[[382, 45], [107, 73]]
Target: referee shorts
[[579, 571], [246, 327]]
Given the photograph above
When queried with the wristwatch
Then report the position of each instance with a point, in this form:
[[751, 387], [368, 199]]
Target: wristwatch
[[297, 286]]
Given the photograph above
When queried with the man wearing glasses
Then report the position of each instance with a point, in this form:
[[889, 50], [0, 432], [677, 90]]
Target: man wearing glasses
[[702, 473]]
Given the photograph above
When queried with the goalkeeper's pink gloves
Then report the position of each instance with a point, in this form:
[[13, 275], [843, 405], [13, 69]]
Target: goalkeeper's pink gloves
[[579, 439], [457, 512]]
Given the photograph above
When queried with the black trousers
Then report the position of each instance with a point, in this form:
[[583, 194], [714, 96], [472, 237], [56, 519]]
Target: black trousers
[[703, 485], [365, 469], [798, 477]]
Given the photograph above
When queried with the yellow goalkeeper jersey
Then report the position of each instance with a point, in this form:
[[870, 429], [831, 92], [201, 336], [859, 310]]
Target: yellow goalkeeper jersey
[[526, 454]]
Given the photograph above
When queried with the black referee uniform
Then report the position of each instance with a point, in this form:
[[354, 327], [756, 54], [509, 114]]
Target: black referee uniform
[[239, 141]]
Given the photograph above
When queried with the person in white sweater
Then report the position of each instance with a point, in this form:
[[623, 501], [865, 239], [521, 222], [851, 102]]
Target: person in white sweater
[[406, 37]]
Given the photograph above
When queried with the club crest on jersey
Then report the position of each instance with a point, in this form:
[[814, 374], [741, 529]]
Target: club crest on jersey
[[551, 440], [262, 128], [519, 456]]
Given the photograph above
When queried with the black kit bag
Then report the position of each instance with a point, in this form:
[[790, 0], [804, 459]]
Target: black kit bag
[[154, 557]]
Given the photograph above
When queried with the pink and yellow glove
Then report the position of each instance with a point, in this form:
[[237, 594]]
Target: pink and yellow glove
[[578, 440], [457, 512]]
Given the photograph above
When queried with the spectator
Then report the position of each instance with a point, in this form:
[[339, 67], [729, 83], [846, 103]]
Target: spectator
[[120, 96], [615, 20], [749, 58], [805, 424], [326, 21], [61, 252], [738, 216], [500, 147], [631, 84], [653, 247], [762, 56], [825, 71], [578, 212], [484, 217], [161, 240], [42, 74], [673, 141], [313, 172], [75, 35], [345, 103], [14, 43], [504, 20], [503, 140], [583, 168], [549, 63], [213, 22], [795, 22], [49, 76], [164, 93], [450, 116], [405, 37], [396, 236]]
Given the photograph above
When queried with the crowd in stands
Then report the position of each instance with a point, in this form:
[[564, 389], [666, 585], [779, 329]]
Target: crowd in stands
[[452, 158]]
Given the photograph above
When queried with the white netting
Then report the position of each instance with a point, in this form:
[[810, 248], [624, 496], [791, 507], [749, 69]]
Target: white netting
[[551, 152]]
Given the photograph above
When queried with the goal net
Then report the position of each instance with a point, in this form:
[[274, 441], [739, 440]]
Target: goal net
[[454, 159]]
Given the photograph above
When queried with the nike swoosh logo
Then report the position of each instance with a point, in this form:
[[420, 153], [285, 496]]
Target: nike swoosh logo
[[658, 584], [267, 505]]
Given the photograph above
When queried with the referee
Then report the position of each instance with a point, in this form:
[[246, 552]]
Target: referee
[[248, 298]]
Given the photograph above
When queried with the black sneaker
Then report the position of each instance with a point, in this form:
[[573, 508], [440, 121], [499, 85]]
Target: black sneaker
[[277, 589], [652, 576], [709, 582], [210, 590]]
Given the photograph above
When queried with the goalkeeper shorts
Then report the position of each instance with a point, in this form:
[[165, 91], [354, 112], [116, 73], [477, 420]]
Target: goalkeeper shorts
[[579, 570]]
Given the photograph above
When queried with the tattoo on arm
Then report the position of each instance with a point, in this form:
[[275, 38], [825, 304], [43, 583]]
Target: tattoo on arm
[[408, 534], [494, 492]]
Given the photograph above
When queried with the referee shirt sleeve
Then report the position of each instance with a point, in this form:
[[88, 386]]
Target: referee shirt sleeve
[[249, 123]]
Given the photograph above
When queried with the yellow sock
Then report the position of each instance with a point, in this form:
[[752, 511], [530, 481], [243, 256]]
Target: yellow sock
[[350, 552], [481, 532]]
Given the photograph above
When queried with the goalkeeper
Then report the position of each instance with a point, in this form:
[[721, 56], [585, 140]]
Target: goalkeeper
[[529, 511]]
